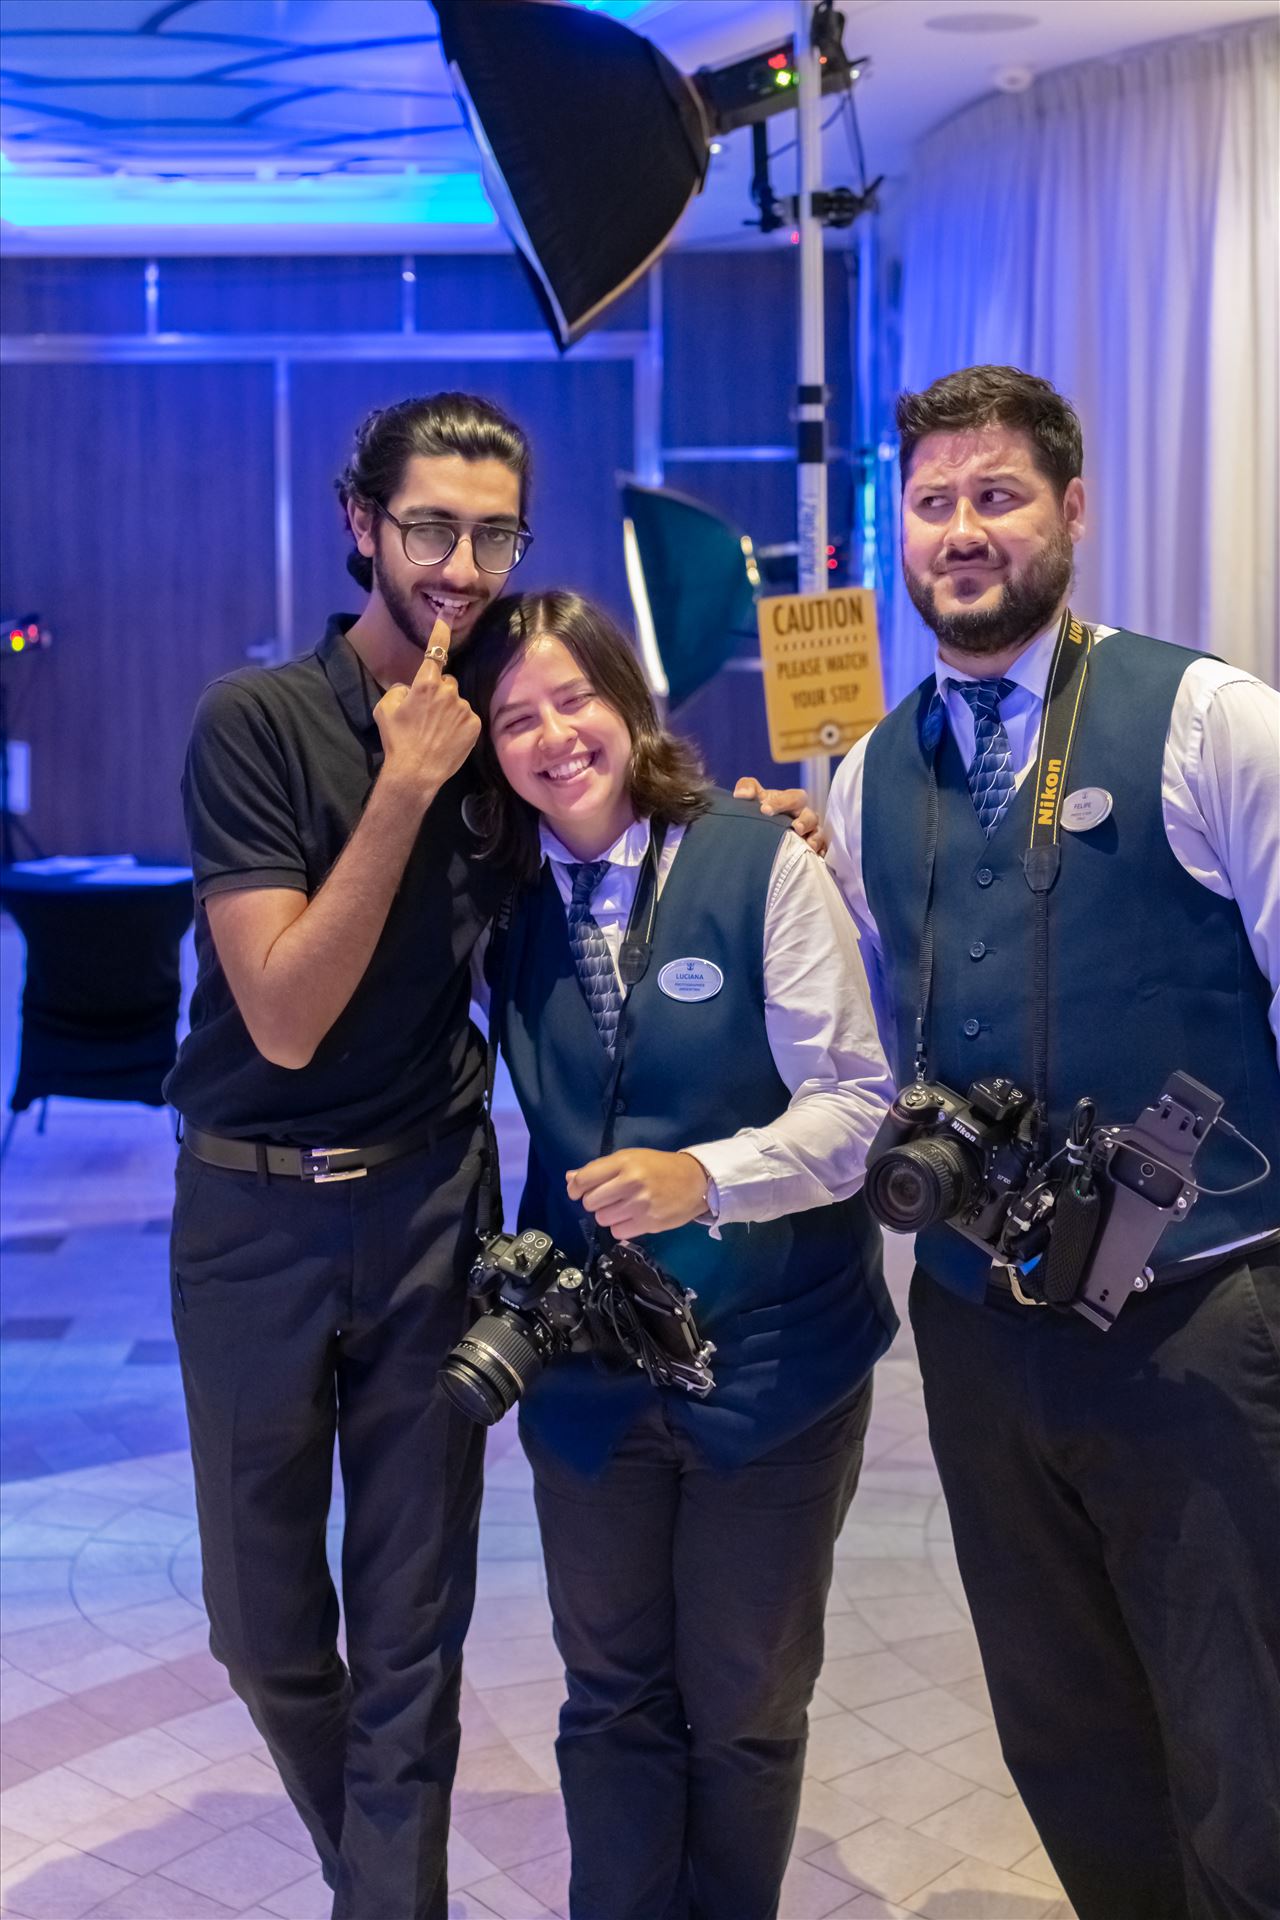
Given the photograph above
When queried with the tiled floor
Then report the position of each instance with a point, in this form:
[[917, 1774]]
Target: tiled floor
[[134, 1786]]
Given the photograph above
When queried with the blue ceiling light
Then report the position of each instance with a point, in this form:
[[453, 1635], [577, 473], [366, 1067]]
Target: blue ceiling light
[[398, 199]]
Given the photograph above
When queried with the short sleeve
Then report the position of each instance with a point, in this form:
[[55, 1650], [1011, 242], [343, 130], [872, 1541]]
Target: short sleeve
[[235, 794]]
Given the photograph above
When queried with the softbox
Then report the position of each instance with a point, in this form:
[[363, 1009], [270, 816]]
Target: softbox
[[692, 578], [591, 143]]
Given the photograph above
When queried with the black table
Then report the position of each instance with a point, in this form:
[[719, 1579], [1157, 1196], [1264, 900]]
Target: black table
[[102, 987]]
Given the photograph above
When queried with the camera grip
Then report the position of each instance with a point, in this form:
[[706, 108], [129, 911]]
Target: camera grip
[[1076, 1219]]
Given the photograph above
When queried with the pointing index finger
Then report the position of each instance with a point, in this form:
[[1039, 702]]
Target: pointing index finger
[[435, 657]]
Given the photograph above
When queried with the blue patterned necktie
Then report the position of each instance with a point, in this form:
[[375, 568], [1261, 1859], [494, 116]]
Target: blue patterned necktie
[[991, 781], [597, 975]]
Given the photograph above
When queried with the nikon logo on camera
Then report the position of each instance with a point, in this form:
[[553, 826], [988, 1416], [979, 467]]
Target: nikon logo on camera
[[1047, 800]]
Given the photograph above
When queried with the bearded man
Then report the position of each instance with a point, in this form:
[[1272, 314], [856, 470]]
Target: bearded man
[[1114, 1495]]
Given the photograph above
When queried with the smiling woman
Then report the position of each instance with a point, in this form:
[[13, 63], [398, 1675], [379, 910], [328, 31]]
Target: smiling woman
[[560, 687], [735, 1082]]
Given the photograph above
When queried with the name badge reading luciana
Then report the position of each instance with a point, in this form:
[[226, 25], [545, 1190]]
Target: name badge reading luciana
[[690, 979], [1086, 807]]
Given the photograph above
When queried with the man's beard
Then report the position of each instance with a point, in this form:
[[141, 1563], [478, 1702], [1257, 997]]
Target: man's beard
[[411, 618], [1027, 603]]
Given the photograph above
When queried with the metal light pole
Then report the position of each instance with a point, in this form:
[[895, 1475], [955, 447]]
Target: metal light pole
[[811, 391]]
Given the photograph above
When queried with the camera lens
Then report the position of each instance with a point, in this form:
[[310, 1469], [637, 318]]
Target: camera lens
[[490, 1367], [915, 1186]]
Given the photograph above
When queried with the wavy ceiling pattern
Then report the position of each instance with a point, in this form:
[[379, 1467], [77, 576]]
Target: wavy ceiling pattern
[[291, 115], [223, 89]]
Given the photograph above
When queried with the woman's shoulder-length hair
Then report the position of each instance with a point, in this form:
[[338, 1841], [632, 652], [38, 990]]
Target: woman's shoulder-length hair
[[667, 778]]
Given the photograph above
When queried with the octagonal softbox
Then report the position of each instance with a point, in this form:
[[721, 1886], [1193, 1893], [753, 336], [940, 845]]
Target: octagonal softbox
[[592, 144]]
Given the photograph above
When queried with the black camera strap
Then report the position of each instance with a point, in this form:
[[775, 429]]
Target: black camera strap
[[633, 964], [489, 1210], [1042, 858]]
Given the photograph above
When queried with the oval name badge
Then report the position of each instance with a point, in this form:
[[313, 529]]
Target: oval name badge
[[1086, 807], [690, 979]]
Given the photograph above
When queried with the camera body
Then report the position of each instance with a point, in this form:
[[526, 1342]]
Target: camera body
[[536, 1301], [940, 1156], [623, 1307], [526, 1274]]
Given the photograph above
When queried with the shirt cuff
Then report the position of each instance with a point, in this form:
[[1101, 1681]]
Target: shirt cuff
[[711, 1217], [727, 1164]]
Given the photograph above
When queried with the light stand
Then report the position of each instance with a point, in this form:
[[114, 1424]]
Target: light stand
[[811, 362], [817, 58]]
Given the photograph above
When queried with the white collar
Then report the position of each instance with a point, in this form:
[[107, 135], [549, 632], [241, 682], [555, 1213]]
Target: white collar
[[1029, 670], [628, 850]]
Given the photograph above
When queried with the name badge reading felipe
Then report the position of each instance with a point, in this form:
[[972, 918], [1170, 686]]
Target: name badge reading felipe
[[1086, 807], [690, 979]]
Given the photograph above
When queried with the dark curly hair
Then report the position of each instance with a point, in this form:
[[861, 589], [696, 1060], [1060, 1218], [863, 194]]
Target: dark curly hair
[[979, 397], [667, 778], [434, 425]]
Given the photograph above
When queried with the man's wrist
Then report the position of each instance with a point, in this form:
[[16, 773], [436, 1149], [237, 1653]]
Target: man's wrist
[[408, 792]]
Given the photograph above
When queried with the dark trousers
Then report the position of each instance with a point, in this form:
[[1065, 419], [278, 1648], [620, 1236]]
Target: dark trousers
[[1115, 1500], [302, 1312], [688, 1608]]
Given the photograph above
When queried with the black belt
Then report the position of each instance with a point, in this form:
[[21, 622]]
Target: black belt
[[320, 1164], [1171, 1276]]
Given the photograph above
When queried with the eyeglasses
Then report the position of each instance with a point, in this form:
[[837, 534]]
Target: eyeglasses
[[494, 549]]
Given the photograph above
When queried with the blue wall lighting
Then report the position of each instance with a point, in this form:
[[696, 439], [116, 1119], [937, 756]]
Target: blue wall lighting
[[399, 199], [616, 9]]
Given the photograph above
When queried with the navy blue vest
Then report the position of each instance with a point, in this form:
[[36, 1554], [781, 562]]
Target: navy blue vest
[[1149, 970], [797, 1307]]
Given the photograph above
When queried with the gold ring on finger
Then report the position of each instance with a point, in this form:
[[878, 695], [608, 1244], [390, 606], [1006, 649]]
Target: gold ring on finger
[[437, 653]]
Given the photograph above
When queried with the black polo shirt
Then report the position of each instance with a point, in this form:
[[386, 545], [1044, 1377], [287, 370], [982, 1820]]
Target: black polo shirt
[[281, 764]]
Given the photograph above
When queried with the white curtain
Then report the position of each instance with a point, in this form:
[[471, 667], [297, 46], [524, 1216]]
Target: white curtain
[[1115, 229]]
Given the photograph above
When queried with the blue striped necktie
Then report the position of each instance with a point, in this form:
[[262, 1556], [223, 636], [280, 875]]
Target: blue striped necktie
[[597, 975], [991, 782]]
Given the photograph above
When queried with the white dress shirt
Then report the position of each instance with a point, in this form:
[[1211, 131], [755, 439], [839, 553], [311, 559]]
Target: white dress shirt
[[818, 1021], [1219, 791]]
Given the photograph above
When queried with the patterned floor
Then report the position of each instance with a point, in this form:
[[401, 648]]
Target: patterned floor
[[134, 1786]]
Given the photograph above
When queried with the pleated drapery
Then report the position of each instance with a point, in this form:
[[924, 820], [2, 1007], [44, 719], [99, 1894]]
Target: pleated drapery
[[1115, 229]]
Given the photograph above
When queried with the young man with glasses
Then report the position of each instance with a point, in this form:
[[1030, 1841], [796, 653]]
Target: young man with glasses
[[331, 1091]]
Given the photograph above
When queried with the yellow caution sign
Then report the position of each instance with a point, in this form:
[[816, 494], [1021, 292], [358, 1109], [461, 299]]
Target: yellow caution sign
[[823, 687]]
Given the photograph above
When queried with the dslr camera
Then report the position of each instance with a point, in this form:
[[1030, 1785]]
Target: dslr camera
[[940, 1157], [621, 1305], [1075, 1231]]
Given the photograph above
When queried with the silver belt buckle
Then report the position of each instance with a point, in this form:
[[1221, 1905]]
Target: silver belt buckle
[[315, 1166]]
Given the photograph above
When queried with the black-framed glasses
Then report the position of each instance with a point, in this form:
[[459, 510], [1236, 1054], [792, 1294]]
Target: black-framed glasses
[[494, 549]]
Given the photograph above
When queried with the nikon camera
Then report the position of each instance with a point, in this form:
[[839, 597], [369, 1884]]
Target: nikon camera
[[1080, 1230], [624, 1307], [537, 1309], [940, 1157]]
